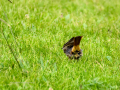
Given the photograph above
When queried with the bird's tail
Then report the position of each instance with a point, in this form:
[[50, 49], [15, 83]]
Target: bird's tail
[[76, 43]]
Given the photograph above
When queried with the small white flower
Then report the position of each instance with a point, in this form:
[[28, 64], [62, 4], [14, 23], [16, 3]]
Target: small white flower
[[27, 15]]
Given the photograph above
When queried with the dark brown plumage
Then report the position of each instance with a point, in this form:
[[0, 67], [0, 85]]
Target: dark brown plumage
[[72, 49]]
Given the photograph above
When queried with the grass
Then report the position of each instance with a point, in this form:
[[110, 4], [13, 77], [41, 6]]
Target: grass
[[38, 30]]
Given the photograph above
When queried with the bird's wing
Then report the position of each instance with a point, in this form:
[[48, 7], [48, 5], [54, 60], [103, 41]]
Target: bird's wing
[[69, 43]]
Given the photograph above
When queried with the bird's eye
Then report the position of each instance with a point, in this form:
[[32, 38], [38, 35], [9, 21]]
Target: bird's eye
[[73, 53], [78, 52]]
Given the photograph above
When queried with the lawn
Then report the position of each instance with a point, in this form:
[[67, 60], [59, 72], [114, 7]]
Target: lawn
[[36, 30]]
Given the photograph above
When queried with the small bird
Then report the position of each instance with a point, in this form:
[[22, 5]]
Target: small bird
[[72, 49]]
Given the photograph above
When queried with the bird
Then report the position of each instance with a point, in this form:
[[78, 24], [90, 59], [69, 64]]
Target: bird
[[72, 48]]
